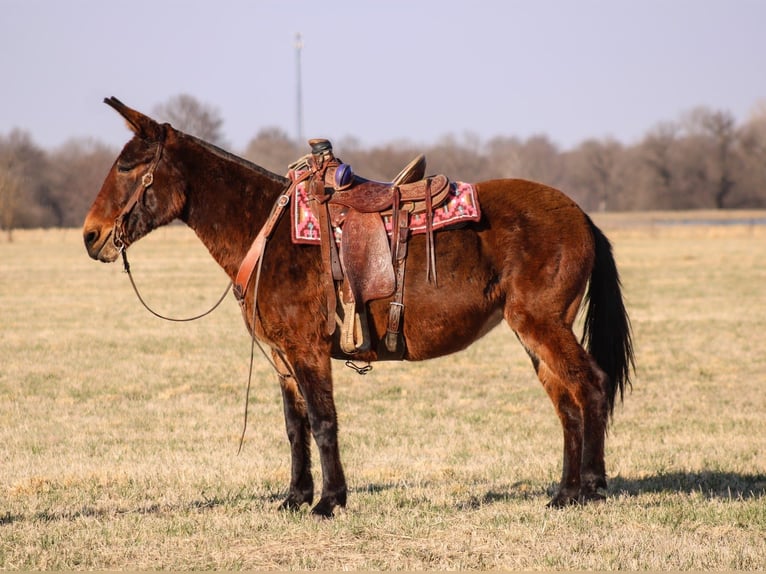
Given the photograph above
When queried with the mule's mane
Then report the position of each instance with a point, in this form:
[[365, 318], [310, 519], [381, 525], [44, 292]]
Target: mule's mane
[[228, 156]]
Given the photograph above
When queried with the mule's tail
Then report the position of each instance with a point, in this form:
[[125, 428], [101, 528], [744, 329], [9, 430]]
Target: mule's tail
[[607, 331]]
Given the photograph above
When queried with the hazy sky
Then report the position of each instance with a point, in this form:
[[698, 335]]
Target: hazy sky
[[381, 71]]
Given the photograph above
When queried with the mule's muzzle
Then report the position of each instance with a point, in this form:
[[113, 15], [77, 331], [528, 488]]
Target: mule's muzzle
[[100, 244]]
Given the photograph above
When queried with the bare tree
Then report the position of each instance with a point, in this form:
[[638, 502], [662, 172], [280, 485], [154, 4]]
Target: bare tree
[[712, 139], [10, 192], [537, 158], [657, 153], [465, 162], [752, 179], [77, 170], [592, 170], [186, 113], [274, 150], [34, 206]]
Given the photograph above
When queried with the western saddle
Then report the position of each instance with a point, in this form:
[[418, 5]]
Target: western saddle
[[365, 264]]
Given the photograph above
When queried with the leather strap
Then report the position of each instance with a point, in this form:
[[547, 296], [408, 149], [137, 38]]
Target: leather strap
[[396, 307], [146, 182], [329, 253], [430, 255], [253, 255], [246, 268]]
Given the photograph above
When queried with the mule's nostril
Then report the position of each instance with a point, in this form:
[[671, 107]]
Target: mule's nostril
[[91, 237]]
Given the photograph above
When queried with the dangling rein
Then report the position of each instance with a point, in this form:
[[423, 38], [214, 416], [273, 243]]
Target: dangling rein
[[252, 263], [126, 266], [253, 256]]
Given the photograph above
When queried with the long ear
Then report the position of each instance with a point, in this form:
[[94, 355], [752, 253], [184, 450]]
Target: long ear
[[141, 125]]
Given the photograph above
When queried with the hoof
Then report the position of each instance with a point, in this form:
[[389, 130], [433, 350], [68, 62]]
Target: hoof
[[563, 500], [294, 502], [592, 497], [589, 497], [323, 510], [327, 504]]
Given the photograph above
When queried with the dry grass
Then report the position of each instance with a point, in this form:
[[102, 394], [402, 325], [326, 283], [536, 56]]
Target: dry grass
[[119, 431]]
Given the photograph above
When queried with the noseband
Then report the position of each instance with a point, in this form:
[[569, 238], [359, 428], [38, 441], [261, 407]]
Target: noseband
[[138, 195]]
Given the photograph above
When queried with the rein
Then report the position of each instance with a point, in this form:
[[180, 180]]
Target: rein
[[126, 266], [252, 262]]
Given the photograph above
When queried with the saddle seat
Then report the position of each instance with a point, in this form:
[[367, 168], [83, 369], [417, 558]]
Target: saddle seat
[[367, 196]]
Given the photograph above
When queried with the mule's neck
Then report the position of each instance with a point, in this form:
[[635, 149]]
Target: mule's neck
[[228, 199]]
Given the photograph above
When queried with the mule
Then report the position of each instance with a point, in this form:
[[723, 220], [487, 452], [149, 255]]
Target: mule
[[533, 259]]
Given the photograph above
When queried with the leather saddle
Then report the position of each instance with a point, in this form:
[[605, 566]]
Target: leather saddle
[[368, 264]]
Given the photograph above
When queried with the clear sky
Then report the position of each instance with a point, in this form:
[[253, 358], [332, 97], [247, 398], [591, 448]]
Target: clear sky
[[381, 70]]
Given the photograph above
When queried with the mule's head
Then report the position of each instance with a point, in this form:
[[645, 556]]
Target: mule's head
[[141, 192]]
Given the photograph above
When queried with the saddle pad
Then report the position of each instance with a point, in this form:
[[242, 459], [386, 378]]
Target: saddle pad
[[461, 206]]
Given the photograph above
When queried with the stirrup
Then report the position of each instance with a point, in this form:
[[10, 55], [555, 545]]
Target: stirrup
[[353, 331]]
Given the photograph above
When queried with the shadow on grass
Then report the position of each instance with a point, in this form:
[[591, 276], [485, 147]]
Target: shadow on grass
[[711, 484], [718, 485], [202, 503], [513, 492]]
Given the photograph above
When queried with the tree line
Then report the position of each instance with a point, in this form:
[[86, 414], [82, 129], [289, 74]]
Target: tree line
[[703, 160]]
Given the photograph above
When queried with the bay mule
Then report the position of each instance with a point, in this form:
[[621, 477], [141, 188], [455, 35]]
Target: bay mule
[[533, 259]]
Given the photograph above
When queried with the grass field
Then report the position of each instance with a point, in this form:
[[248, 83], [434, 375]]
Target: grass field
[[119, 432]]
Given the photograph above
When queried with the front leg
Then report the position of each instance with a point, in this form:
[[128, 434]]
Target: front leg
[[314, 376], [298, 429]]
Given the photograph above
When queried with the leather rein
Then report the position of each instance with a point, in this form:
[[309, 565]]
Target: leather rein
[[252, 258]]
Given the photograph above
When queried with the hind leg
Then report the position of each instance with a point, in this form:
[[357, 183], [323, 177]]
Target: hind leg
[[567, 375], [595, 416]]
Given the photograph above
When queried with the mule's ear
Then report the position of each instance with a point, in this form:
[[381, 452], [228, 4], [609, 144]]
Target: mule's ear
[[141, 125]]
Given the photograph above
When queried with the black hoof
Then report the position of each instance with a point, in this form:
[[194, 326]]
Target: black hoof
[[563, 500], [323, 510], [294, 502], [327, 504], [592, 497]]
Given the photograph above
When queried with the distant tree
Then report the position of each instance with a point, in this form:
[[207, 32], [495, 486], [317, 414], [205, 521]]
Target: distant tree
[[752, 179], [10, 192], [466, 161], [189, 115], [656, 153], [710, 146], [593, 171], [77, 170], [272, 149], [537, 158], [34, 206]]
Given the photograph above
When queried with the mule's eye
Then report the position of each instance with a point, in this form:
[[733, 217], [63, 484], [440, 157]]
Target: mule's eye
[[124, 168]]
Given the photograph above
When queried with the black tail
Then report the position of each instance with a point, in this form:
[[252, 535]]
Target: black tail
[[607, 331]]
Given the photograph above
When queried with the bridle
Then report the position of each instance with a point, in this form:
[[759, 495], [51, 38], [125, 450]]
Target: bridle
[[137, 196], [118, 237]]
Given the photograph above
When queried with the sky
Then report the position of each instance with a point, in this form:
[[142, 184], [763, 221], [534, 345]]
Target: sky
[[381, 71]]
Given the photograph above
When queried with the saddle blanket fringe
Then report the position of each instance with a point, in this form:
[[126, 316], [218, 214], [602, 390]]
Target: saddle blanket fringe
[[461, 206]]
